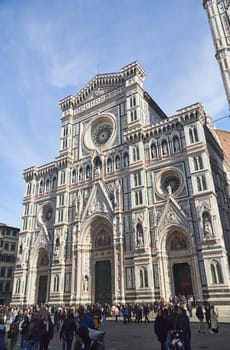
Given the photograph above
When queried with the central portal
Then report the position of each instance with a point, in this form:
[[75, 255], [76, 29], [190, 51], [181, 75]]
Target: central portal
[[103, 290], [42, 289], [182, 279]]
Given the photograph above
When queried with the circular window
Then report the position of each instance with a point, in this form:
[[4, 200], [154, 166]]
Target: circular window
[[100, 132], [169, 182], [45, 213]]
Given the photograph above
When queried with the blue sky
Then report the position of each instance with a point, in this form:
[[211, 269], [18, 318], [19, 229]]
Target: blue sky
[[51, 49]]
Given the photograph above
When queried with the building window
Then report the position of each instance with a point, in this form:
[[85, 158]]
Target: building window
[[135, 153], [56, 284], [109, 166], [41, 187], [60, 215], [61, 200], [6, 245], [201, 183], [74, 176], [13, 247], [62, 182], [3, 272], [198, 162], [7, 286], [47, 185], [126, 160], [138, 197], [9, 272], [54, 183], [27, 209], [137, 179], [28, 188], [216, 272], [143, 278], [17, 286], [193, 135], [87, 172]]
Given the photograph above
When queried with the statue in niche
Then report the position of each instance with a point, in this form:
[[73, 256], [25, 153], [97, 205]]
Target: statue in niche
[[164, 148], [79, 202], [153, 151], [176, 144], [86, 283], [57, 247], [140, 236], [207, 226], [178, 243]]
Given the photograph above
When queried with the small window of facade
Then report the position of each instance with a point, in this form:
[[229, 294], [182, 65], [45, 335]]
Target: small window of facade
[[61, 200], [41, 187], [109, 165], [60, 215], [201, 183], [198, 162], [126, 160], [73, 176], [28, 188], [137, 179], [143, 278], [193, 135], [62, 179], [13, 247], [54, 183], [47, 185], [216, 272], [17, 286], [87, 172], [3, 272], [6, 245], [136, 156], [138, 197], [56, 284]]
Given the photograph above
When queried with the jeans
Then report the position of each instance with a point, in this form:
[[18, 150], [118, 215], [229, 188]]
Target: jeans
[[34, 344]]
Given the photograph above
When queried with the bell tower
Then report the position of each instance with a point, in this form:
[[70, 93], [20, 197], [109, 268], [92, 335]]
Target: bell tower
[[218, 12]]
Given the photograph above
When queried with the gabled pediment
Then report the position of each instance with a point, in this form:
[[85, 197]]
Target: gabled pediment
[[98, 201], [173, 214], [103, 84], [42, 240]]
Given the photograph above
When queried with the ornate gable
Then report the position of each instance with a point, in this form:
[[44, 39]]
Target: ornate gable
[[103, 84], [42, 240], [173, 214], [98, 202]]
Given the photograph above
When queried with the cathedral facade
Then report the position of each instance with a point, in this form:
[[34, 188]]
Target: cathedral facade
[[135, 206]]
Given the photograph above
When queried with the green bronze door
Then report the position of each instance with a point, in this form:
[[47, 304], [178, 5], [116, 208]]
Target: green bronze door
[[42, 289], [103, 291], [182, 279]]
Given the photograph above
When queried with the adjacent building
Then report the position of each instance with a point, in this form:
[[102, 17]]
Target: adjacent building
[[134, 207], [8, 253]]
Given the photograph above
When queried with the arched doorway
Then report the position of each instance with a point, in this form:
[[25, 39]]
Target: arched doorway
[[103, 285], [42, 276], [182, 279]]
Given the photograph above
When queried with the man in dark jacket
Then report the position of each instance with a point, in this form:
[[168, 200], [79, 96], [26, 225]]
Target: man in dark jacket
[[200, 316], [84, 341], [68, 330], [181, 323]]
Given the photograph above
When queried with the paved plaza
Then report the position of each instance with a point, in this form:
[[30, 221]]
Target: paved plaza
[[136, 336]]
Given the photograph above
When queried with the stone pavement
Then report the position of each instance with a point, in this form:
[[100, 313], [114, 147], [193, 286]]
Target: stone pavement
[[136, 336]]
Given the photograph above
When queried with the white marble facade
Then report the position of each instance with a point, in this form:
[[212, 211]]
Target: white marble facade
[[129, 209]]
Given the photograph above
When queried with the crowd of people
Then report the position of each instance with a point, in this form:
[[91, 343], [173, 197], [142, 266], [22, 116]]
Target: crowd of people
[[34, 326]]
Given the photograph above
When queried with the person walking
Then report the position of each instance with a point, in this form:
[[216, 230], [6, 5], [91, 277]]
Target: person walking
[[161, 327], [207, 314], [25, 327], [2, 335], [47, 332], [200, 316], [214, 320], [14, 331], [68, 330], [181, 323], [35, 332]]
